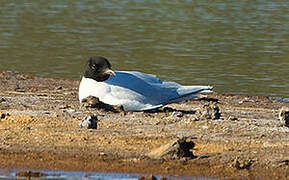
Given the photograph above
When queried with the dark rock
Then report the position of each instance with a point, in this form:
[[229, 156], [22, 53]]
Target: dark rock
[[3, 115], [89, 122], [147, 177], [177, 149], [94, 102], [284, 115], [90, 102]]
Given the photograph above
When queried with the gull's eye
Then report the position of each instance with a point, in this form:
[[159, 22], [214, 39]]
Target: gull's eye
[[94, 66]]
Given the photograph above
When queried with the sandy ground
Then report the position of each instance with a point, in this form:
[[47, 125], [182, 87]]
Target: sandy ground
[[39, 129]]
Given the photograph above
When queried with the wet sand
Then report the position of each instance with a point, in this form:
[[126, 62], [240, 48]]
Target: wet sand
[[39, 129]]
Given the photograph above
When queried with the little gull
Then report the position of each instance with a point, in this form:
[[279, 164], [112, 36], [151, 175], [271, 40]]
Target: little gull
[[135, 91]]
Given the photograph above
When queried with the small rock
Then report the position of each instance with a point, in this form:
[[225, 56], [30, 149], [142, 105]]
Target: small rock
[[205, 127], [90, 102], [58, 88], [177, 114], [42, 95], [102, 154], [208, 111], [232, 118], [244, 100], [192, 118], [89, 122], [66, 106], [242, 164], [177, 149], [147, 177], [284, 115], [71, 111], [3, 115]]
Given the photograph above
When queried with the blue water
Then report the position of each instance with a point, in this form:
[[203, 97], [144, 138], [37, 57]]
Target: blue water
[[93, 175]]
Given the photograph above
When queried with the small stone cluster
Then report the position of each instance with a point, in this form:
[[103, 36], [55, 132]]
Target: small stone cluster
[[208, 111]]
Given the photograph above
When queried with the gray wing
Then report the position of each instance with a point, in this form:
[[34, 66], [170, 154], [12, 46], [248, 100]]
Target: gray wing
[[155, 91]]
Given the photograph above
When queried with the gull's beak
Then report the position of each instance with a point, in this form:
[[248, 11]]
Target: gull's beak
[[109, 71]]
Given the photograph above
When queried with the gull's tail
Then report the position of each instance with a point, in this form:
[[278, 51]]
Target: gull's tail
[[190, 92]]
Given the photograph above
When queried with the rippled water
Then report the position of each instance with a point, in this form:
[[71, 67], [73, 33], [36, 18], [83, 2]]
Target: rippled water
[[236, 46]]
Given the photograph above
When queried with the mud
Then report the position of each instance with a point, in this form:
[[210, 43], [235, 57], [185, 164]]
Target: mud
[[39, 129]]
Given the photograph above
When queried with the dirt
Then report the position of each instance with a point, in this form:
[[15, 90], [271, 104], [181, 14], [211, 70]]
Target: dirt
[[39, 129]]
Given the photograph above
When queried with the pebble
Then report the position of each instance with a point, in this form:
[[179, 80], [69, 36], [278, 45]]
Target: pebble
[[177, 114], [284, 115], [71, 110], [89, 122], [232, 118]]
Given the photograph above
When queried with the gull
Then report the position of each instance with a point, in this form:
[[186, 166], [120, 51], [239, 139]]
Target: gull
[[135, 91]]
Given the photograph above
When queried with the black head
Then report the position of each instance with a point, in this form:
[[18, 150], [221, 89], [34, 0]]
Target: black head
[[98, 68]]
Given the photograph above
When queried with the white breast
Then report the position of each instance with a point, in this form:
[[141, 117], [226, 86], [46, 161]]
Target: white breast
[[113, 95]]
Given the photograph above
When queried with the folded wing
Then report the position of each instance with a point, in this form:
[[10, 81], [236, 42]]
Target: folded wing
[[153, 92]]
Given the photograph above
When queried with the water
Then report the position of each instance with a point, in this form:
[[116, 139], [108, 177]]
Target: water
[[237, 46], [59, 175]]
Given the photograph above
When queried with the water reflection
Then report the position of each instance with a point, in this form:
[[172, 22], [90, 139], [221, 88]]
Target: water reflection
[[237, 46]]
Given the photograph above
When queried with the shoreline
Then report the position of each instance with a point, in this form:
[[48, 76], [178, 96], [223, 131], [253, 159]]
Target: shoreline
[[39, 129]]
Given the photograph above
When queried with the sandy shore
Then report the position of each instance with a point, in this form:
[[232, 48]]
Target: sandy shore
[[39, 129]]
